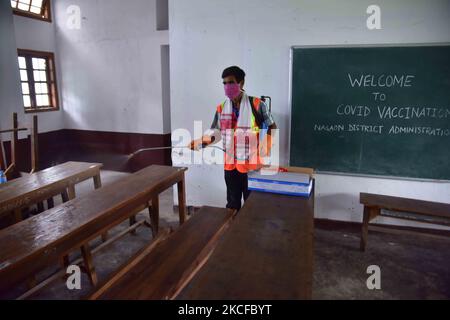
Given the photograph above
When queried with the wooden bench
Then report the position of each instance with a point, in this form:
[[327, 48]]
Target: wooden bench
[[162, 270], [29, 246], [35, 188], [401, 208], [267, 253]]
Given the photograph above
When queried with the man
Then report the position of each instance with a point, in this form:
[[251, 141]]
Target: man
[[245, 125]]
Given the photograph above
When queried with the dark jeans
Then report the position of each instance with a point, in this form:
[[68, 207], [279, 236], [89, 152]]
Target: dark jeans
[[237, 187]]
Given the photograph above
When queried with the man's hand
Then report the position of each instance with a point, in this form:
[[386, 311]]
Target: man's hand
[[197, 144]]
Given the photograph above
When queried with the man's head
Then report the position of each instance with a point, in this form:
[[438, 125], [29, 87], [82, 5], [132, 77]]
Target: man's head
[[233, 80]]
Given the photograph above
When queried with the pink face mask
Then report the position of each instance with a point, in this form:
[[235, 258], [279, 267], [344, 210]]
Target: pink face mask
[[232, 90]]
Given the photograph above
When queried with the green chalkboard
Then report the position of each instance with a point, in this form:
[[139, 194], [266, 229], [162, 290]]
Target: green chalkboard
[[372, 110]]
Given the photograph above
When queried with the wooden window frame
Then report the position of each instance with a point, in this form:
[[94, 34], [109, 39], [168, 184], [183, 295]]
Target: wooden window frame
[[46, 11], [51, 80]]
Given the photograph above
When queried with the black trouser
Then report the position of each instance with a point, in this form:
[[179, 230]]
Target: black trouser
[[237, 187]]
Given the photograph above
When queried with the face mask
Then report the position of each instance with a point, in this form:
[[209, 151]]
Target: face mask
[[232, 90]]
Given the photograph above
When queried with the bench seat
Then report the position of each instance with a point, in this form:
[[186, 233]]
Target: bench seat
[[161, 272], [33, 244], [43, 185], [401, 208]]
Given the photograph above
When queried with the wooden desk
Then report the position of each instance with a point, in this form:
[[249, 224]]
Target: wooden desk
[[31, 245], [161, 271], [26, 191], [267, 253], [408, 209]]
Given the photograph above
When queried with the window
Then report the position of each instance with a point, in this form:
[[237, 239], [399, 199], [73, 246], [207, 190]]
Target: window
[[38, 81], [38, 9]]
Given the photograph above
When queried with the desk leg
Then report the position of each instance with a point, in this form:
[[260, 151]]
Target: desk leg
[[89, 265], [132, 223], [97, 181], [65, 263], [105, 236], [370, 213], [71, 192], [50, 203], [40, 207], [154, 216], [98, 185], [64, 196], [182, 200]]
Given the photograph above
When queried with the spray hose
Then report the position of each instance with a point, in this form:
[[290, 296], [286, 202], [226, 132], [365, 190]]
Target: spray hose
[[175, 148]]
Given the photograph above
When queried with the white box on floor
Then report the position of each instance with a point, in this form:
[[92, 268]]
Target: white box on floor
[[288, 183]]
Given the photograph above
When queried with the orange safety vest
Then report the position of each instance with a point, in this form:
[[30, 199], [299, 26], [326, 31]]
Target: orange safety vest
[[252, 160]]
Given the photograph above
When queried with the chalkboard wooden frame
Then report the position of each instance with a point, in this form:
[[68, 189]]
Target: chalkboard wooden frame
[[290, 103]]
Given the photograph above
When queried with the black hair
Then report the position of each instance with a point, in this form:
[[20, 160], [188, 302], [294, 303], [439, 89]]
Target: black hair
[[235, 71]]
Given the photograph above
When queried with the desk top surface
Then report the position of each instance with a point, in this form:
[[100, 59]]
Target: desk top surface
[[407, 205], [81, 217], [159, 273], [267, 253], [27, 185]]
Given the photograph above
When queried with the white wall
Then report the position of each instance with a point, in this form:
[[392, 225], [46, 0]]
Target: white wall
[[31, 34], [10, 96], [207, 36], [111, 75], [34, 34], [39, 35]]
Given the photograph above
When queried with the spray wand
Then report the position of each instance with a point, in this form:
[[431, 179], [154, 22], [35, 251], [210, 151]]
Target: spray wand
[[170, 148], [203, 146]]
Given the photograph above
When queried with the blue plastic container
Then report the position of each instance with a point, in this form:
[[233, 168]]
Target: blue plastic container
[[2, 177]]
